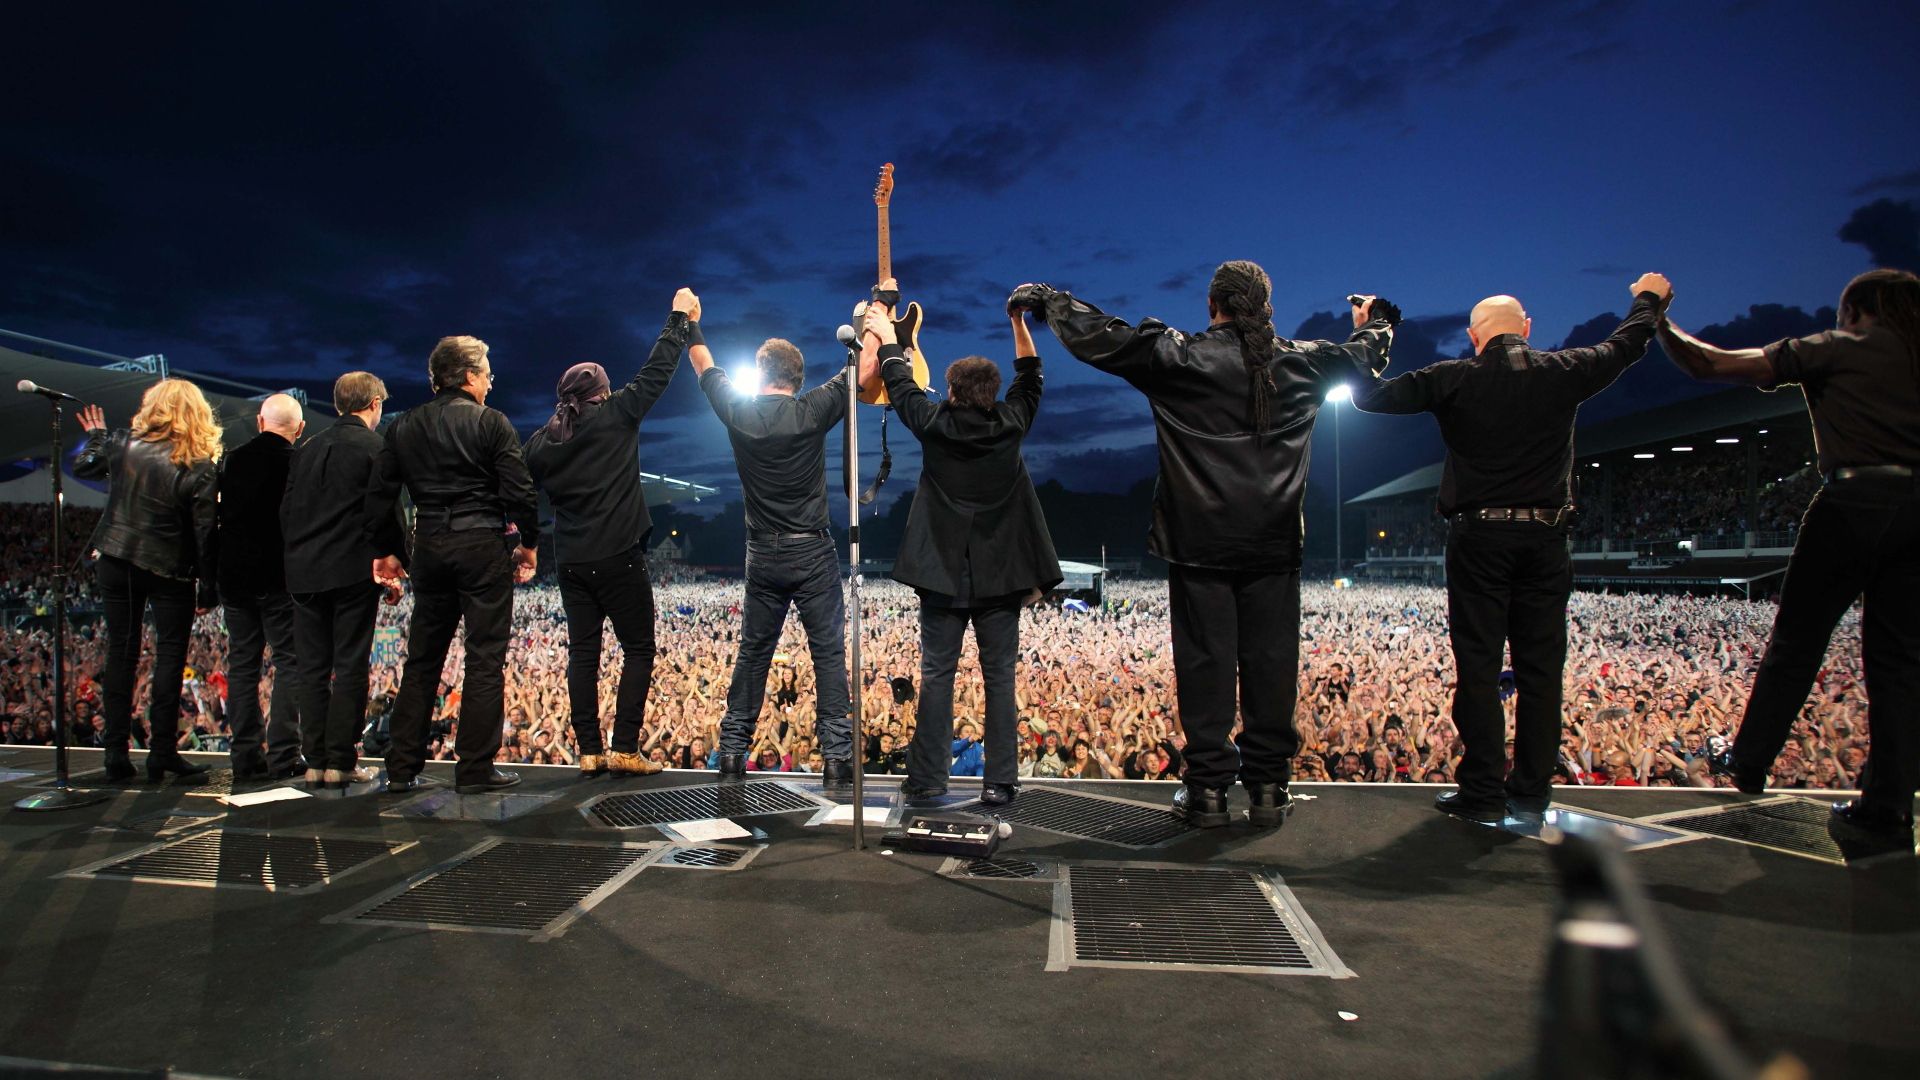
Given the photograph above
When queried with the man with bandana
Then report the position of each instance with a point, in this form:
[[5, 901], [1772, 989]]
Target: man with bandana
[[587, 460]]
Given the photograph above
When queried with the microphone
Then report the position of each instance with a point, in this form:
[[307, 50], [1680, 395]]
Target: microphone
[[847, 336], [28, 386]]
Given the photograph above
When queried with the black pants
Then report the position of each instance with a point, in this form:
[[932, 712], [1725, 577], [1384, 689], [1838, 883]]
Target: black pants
[[1236, 630], [457, 574], [593, 593], [803, 573], [1507, 584], [127, 591], [942, 630], [1855, 538], [254, 624], [333, 635]]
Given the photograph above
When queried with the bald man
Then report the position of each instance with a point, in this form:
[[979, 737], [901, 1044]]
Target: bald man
[[1506, 490], [253, 595]]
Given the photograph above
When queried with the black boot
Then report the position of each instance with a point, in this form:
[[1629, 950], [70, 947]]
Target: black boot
[[1202, 807], [119, 766], [1267, 804], [162, 762], [733, 766], [836, 774]]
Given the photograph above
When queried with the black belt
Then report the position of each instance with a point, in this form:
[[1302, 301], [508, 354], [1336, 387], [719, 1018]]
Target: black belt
[[768, 534], [459, 519], [1554, 516], [1869, 472]]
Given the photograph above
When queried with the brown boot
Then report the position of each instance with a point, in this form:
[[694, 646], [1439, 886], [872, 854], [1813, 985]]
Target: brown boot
[[592, 764], [630, 764]]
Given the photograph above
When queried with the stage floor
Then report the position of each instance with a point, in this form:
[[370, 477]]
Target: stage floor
[[806, 958]]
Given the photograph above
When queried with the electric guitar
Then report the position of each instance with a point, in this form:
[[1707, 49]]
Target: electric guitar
[[907, 326]]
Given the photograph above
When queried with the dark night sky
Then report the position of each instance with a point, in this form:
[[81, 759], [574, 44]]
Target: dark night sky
[[280, 192]]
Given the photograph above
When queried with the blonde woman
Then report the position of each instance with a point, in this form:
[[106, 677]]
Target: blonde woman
[[153, 544]]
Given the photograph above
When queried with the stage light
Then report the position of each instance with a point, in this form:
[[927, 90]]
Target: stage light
[[1725, 442], [1763, 431], [1383, 534], [1643, 457], [1594, 465], [1682, 449], [746, 380], [1340, 393]]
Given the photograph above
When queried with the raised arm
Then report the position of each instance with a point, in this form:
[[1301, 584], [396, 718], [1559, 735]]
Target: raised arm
[[1024, 394], [95, 459], [1743, 367], [907, 398], [1138, 354], [682, 330], [1597, 366]]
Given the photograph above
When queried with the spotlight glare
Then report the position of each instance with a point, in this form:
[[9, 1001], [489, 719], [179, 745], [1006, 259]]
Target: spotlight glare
[[746, 380], [1340, 393]]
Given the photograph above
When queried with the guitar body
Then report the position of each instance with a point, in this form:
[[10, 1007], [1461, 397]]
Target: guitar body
[[907, 327]]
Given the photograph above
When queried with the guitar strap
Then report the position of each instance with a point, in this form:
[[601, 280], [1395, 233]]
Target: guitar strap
[[886, 456]]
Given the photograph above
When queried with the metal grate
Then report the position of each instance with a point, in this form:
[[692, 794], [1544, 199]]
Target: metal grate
[[164, 823], [445, 804], [526, 887], [1790, 824], [660, 806], [1002, 869], [707, 858], [243, 859], [1090, 817], [1209, 918]]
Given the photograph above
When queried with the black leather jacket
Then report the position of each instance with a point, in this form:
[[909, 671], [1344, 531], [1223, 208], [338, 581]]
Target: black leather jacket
[[159, 515], [1228, 495]]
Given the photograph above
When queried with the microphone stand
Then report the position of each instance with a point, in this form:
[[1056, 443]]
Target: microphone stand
[[853, 589], [62, 795]]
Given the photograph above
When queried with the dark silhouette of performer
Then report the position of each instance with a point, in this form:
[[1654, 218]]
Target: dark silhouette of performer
[[155, 541], [1233, 412], [339, 520], [253, 596], [1507, 417], [1860, 535], [587, 458], [779, 445], [461, 463], [976, 547]]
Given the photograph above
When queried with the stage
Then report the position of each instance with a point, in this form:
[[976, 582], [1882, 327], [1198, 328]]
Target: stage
[[1397, 940]]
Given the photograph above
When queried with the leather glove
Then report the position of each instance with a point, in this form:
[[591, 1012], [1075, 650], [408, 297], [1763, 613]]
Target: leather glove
[[1030, 297], [1384, 308]]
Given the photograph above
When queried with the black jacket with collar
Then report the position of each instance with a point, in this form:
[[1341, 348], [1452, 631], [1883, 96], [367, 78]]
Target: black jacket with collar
[[160, 516], [457, 457], [1229, 492], [253, 477], [339, 513], [976, 532], [593, 478]]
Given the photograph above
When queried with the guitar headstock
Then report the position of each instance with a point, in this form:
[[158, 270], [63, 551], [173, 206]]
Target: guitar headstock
[[883, 191]]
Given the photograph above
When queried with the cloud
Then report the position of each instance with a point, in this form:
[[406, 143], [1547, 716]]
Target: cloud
[[1906, 181], [1889, 230]]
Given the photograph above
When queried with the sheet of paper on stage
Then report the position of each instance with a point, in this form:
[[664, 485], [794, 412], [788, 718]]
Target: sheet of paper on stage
[[713, 828], [254, 798], [843, 815]]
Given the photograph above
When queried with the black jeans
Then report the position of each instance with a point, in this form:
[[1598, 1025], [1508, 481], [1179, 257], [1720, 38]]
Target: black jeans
[[457, 574], [1233, 630], [255, 623], [126, 592], [1857, 537], [333, 634], [593, 593], [1507, 585], [942, 631], [803, 573]]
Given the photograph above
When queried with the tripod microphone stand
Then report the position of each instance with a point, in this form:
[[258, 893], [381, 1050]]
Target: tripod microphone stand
[[62, 795]]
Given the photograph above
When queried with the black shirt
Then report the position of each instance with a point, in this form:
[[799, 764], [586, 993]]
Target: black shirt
[[779, 446], [252, 480], [1507, 415], [593, 478], [339, 514], [1862, 392], [458, 457]]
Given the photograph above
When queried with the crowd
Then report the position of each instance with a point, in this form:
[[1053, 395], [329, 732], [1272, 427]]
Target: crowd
[[1654, 684]]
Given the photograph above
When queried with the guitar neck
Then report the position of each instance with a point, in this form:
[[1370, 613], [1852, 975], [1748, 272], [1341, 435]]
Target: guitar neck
[[886, 248]]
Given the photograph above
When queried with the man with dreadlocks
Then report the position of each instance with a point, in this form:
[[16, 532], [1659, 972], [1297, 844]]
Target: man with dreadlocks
[[1861, 534], [1233, 411], [1506, 414]]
